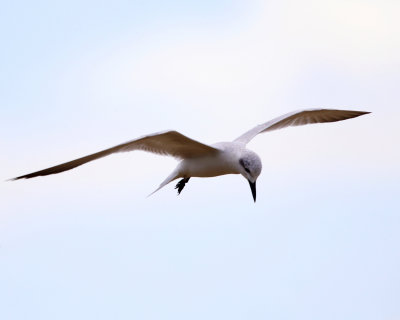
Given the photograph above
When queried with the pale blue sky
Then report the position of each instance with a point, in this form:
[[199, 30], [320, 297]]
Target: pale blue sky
[[322, 241]]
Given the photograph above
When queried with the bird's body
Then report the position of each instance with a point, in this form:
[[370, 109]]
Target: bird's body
[[223, 162], [201, 160]]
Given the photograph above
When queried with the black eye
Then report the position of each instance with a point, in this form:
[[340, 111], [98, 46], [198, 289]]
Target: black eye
[[243, 164]]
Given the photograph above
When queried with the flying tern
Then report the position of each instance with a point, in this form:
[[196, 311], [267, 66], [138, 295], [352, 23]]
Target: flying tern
[[201, 160]]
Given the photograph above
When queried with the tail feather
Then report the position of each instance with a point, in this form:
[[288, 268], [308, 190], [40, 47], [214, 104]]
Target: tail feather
[[173, 176]]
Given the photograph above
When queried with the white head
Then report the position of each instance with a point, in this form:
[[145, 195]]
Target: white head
[[250, 167]]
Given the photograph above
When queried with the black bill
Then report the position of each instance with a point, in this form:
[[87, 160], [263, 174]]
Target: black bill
[[253, 189]]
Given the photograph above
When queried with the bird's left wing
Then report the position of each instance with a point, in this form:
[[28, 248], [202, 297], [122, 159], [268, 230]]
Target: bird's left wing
[[299, 118], [171, 143]]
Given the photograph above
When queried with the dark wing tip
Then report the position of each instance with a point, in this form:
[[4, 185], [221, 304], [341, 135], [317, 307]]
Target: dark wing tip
[[359, 113], [17, 178], [65, 166], [27, 176], [363, 112], [347, 114]]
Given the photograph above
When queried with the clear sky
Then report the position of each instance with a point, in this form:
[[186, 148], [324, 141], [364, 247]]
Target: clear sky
[[322, 241]]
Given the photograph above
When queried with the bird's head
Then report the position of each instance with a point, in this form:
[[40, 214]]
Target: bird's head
[[250, 167]]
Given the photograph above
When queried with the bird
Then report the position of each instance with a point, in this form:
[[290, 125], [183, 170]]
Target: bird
[[202, 160]]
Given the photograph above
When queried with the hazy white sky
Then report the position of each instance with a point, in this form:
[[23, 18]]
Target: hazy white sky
[[320, 243]]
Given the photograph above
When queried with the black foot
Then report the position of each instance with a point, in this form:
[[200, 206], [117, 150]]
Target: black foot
[[181, 184]]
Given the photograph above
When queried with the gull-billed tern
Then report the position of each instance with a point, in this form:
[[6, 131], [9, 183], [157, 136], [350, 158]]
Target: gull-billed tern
[[201, 160]]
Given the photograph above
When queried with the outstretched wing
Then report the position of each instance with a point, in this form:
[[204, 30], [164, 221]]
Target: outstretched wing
[[170, 143], [299, 118]]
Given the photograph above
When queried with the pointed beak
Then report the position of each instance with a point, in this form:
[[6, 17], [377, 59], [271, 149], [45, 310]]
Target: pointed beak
[[253, 189]]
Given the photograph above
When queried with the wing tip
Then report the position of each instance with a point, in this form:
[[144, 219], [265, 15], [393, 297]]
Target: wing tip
[[361, 113], [19, 178], [364, 112]]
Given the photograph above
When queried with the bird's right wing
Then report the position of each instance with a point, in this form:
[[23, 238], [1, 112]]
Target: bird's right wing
[[299, 118], [171, 143]]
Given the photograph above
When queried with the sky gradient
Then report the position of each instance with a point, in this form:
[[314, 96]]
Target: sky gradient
[[322, 241]]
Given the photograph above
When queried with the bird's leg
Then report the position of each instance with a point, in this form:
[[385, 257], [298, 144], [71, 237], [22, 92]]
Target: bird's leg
[[181, 184]]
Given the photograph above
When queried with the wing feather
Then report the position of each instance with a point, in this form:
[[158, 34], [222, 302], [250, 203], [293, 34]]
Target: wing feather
[[171, 143], [299, 118]]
